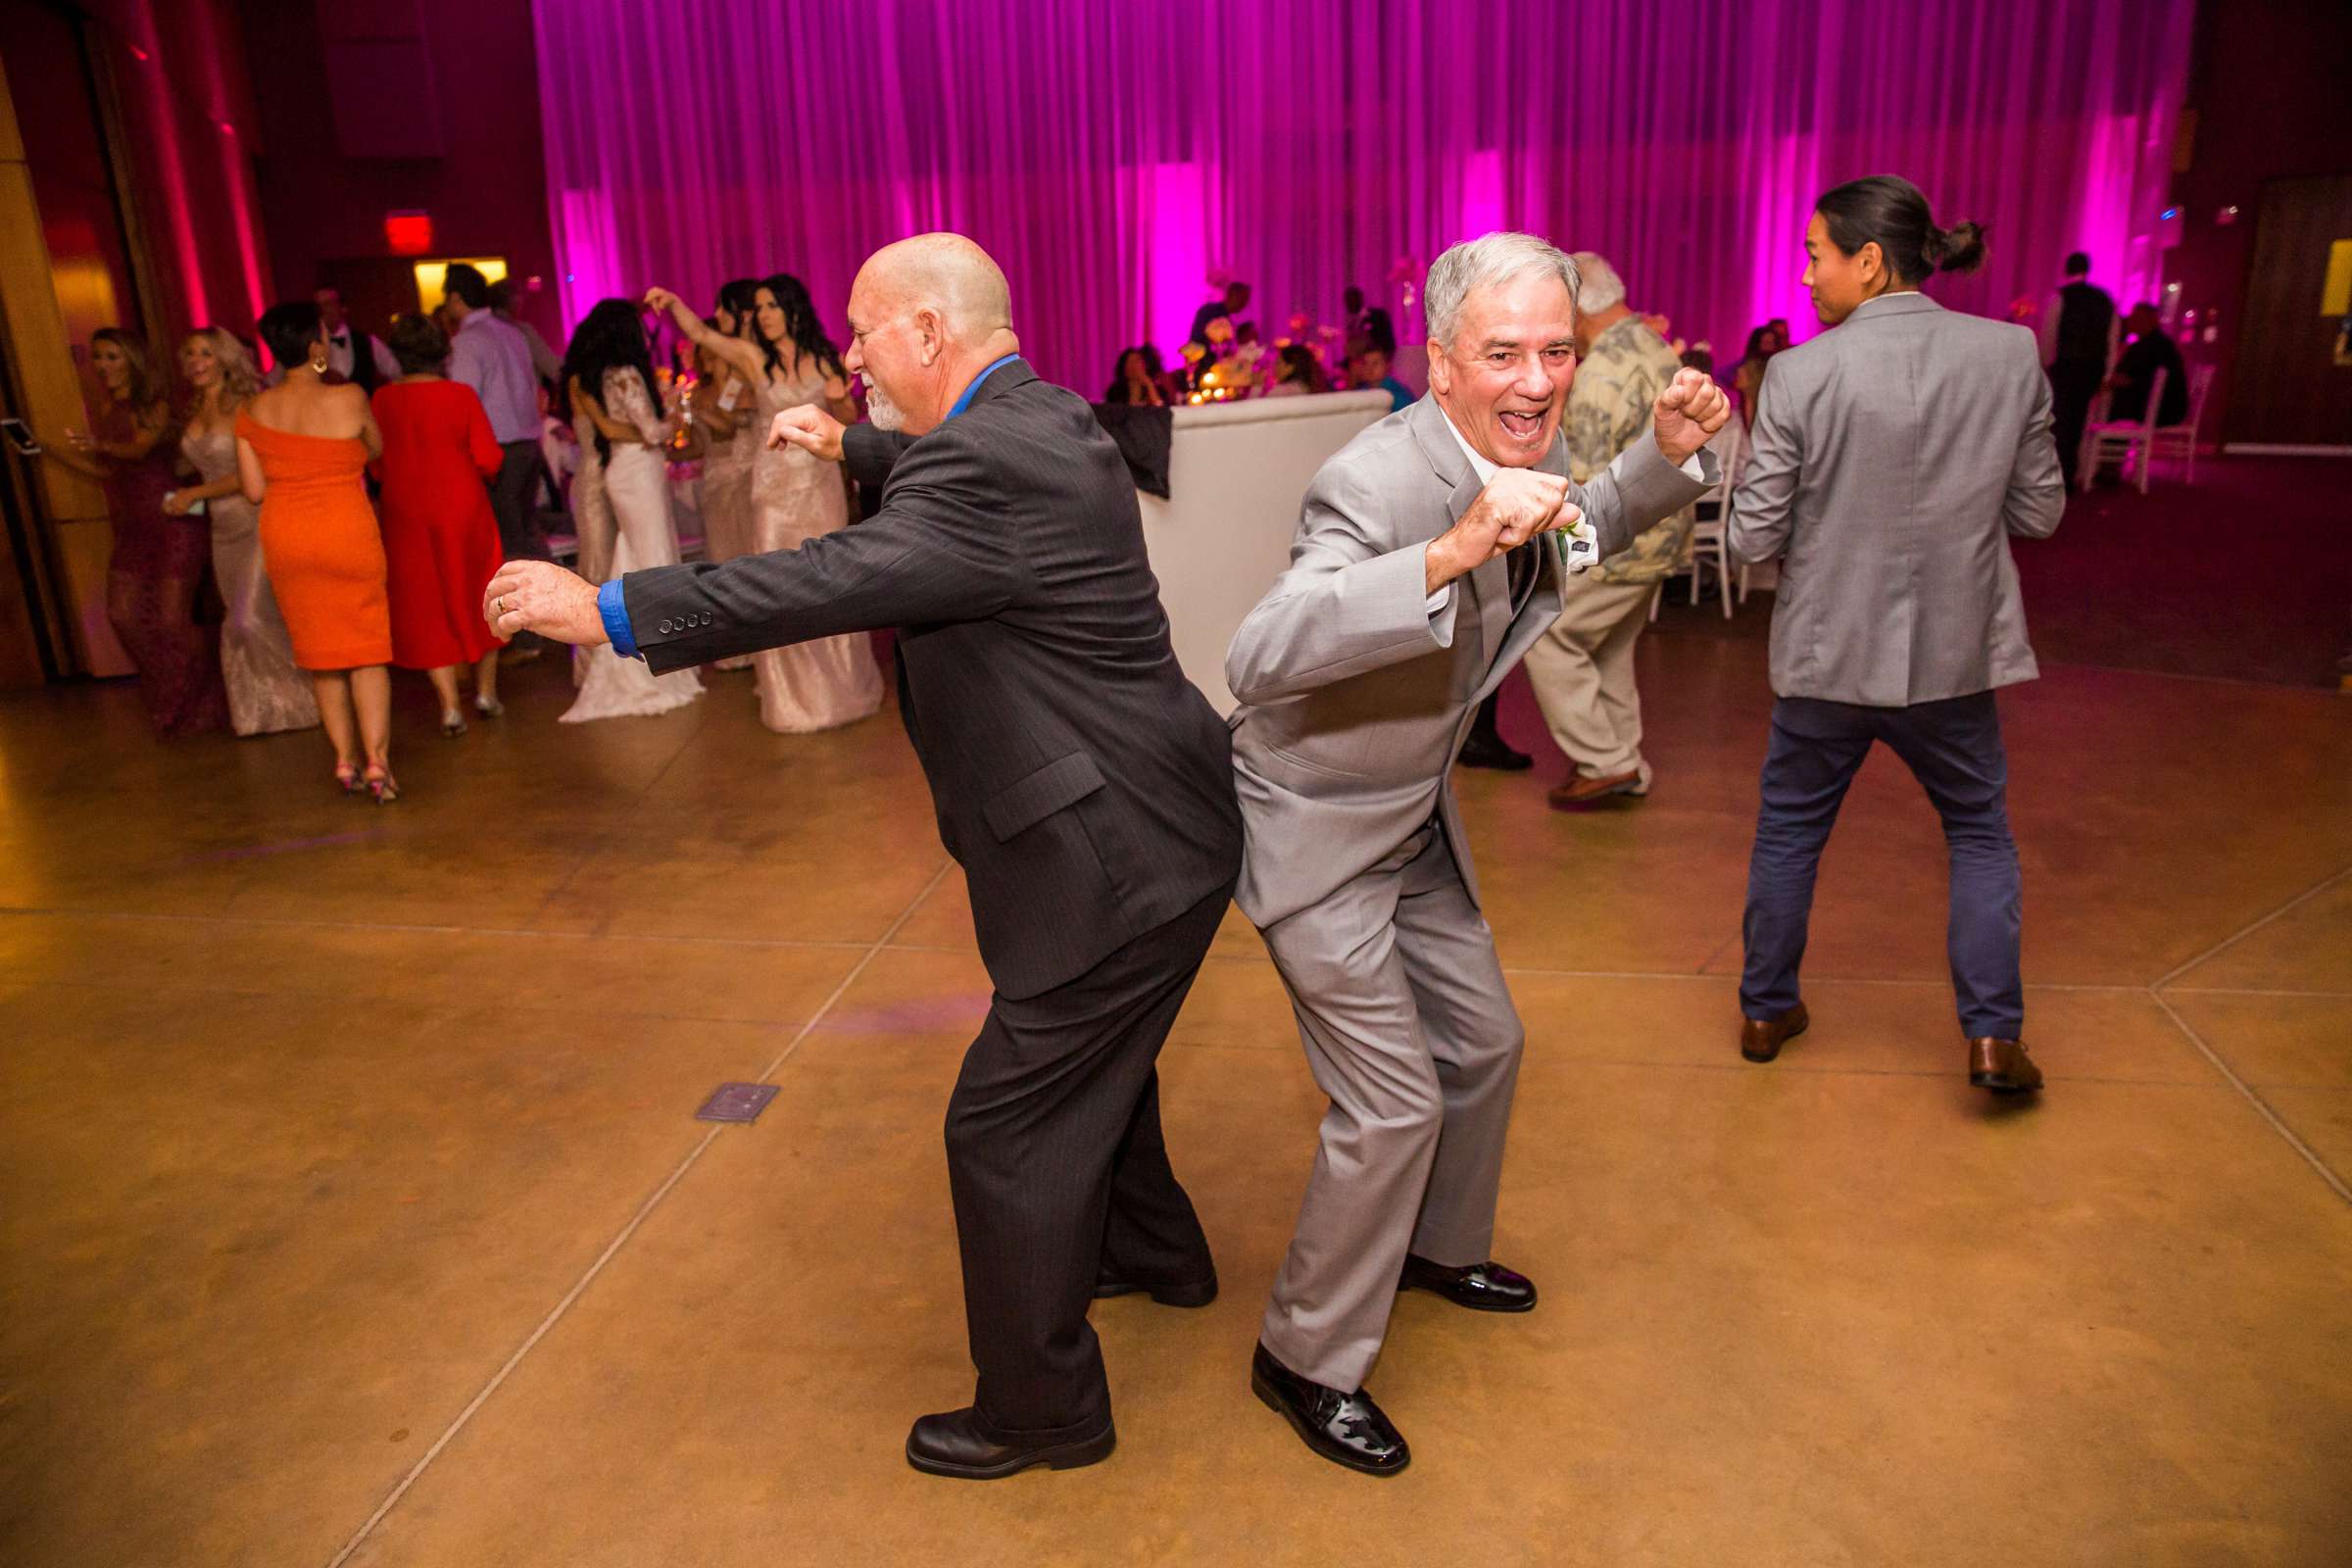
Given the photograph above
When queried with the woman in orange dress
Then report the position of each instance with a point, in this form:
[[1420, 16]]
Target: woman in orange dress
[[301, 447]]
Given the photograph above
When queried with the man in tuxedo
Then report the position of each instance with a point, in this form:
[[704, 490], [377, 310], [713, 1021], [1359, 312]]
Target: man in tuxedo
[[345, 343], [1082, 782], [1419, 576], [2079, 332]]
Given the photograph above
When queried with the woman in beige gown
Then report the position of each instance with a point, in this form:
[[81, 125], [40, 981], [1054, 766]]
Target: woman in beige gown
[[266, 692], [620, 498], [830, 681]]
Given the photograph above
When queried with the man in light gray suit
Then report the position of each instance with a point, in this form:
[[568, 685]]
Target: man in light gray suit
[[1428, 557], [1894, 457]]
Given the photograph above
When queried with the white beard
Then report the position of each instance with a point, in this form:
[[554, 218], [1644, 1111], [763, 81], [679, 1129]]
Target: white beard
[[883, 413]]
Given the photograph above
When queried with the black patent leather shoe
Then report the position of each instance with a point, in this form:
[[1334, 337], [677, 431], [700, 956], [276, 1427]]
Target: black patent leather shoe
[[1347, 1429], [953, 1445], [1195, 1292], [1480, 751], [1482, 1286]]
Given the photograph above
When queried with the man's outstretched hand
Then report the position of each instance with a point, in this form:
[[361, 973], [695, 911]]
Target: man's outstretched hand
[[540, 596], [809, 428]]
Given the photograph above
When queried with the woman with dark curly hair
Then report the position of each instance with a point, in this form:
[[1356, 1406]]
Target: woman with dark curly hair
[[789, 360], [301, 447], [440, 531], [159, 556]]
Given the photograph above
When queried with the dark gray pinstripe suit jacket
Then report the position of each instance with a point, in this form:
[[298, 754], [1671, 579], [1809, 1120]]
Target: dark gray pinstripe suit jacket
[[1083, 784]]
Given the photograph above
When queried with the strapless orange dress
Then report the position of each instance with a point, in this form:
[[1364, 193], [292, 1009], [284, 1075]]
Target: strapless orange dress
[[321, 546]]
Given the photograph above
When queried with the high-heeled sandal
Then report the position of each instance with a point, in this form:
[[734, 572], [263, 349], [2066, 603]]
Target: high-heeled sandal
[[453, 723], [488, 707], [382, 786], [348, 776]]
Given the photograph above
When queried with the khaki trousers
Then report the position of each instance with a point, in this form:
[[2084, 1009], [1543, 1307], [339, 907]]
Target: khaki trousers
[[1582, 669]]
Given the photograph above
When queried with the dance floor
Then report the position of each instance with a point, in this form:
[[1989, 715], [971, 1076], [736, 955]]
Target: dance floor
[[354, 1212]]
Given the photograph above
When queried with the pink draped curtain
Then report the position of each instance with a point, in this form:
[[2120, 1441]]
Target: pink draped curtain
[[1114, 155]]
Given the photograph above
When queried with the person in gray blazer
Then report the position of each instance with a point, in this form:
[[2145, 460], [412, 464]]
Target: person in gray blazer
[[1894, 457], [1428, 557]]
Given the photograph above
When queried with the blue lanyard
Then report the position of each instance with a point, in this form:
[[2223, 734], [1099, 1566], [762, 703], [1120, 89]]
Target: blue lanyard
[[964, 402]]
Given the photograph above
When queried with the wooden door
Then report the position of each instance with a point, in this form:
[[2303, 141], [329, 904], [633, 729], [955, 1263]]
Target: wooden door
[[2288, 388]]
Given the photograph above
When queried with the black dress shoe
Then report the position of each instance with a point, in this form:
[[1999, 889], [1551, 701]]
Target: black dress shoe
[[1197, 1293], [1482, 1286], [1344, 1428], [953, 1445], [1480, 751]]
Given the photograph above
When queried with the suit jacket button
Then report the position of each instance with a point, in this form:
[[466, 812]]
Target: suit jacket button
[[668, 627], [706, 617]]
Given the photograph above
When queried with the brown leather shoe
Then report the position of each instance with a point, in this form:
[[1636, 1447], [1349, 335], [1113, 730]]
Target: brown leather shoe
[[1761, 1039], [2002, 1066], [1580, 792]]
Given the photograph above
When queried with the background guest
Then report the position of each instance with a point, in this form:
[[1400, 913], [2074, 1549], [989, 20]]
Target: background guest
[[1297, 373], [622, 498], [267, 689], [1897, 615], [1582, 668], [1729, 447], [494, 358], [1133, 381], [1747, 376], [302, 447], [545, 364], [2152, 349], [1368, 326], [2078, 337], [158, 557], [1370, 368], [830, 681], [441, 543], [344, 360], [1229, 305]]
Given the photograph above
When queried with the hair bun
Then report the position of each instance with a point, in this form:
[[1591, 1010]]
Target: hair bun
[[1959, 249]]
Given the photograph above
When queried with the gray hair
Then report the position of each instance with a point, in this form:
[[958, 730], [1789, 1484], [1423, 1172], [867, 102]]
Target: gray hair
[[1602, 287], [1482, 263]]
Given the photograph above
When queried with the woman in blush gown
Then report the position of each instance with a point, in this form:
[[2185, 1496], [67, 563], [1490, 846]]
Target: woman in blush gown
[[621, 499], [830, 681], [267, 691], [726, 410], [158, 557], [301, 449]]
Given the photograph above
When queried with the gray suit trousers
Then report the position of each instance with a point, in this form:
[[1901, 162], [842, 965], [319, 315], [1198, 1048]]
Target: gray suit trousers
[[1410, 1031]]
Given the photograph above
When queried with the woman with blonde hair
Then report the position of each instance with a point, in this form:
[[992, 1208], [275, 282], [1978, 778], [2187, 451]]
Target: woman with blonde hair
[[158, 560], [266, 693]]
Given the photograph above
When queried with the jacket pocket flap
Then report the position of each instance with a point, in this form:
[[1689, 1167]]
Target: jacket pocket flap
[[1028, 801]]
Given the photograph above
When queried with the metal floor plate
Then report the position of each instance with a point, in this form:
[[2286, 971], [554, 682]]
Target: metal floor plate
[[736, 1102]]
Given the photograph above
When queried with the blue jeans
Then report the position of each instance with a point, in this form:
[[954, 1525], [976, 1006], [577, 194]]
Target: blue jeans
[[1954, 747]]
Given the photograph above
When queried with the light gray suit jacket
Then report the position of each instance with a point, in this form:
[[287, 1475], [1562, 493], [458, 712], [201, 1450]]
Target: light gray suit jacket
[[1894, 456], [1353, 696]]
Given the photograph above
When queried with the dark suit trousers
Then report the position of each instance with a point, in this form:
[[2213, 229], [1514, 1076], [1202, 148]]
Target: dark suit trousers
[[511, 500], [1954, 747], [1059, 1176], [2073, 386]]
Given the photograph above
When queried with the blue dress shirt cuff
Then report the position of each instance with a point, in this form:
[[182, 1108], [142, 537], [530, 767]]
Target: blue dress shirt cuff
[[615, 609]]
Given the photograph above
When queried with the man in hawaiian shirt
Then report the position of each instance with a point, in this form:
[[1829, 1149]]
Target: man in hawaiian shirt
[[1582, 667]]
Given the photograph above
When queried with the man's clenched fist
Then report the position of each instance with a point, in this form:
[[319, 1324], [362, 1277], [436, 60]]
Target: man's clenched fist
[[1516, 504]]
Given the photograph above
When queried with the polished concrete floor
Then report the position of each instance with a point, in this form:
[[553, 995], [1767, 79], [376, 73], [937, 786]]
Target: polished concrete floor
[[352, 1210]]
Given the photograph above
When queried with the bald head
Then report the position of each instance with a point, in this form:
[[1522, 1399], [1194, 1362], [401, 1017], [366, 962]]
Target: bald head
[[926, 316], [946, 273]]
